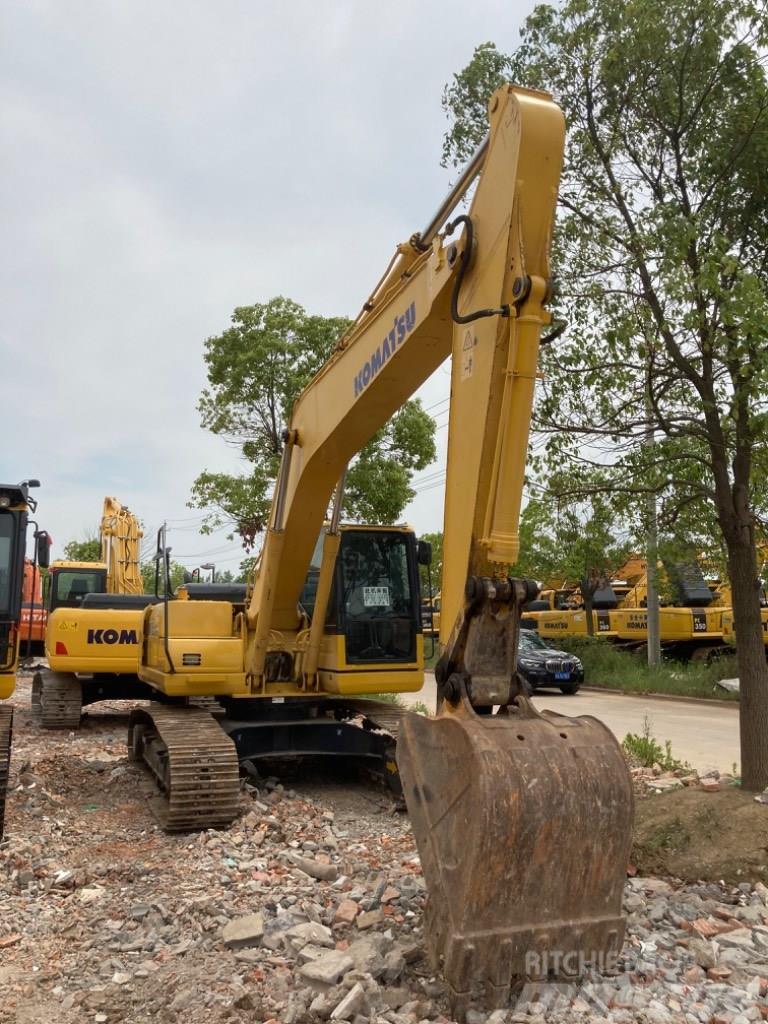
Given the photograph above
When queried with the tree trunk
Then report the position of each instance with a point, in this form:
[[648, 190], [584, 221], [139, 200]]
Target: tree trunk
[[751, 655]]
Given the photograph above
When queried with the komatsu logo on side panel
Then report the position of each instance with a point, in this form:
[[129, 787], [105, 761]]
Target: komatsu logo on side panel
[[112, 636], [402, 327]]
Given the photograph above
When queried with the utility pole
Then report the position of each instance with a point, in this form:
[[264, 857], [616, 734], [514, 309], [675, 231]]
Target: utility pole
[[652, 542]]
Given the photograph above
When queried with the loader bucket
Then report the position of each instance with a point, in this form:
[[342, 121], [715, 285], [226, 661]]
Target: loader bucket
[[523, 825]]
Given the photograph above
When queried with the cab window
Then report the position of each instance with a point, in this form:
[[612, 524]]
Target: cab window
[[70, 587]]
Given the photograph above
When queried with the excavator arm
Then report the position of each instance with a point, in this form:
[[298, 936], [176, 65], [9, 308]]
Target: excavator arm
[[121, 534], [480, 300], [522, 819]]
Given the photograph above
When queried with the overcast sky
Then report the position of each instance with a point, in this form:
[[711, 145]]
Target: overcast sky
[[164, 163]]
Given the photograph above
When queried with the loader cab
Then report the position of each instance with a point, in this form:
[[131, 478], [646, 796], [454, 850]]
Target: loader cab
[[375, 602], [13, 526], [70, 582]]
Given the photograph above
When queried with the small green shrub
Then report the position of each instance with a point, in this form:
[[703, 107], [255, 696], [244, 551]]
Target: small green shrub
[[646, 749]]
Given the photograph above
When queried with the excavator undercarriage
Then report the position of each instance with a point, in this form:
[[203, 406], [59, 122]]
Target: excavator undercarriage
[[194, 751]]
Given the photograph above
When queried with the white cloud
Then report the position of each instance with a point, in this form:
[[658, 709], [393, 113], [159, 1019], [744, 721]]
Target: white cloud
[[165, 163]]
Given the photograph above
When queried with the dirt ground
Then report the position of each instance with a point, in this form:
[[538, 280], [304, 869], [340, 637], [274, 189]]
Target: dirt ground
[[694, 835]]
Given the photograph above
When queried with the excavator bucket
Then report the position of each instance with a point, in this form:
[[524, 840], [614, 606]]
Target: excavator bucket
[[523, 824]]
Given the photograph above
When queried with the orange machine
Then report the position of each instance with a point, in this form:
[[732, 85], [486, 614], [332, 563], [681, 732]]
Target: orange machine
[[33, 614]]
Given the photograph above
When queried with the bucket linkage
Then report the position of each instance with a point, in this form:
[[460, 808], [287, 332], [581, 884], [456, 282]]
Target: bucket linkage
[[522, 818]]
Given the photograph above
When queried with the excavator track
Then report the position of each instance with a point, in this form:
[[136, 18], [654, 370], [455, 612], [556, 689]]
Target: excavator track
[[382, 715], [6, 733], [57, 700], [193, 761]]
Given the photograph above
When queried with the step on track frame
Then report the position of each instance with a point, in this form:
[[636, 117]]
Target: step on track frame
[[193, 761], [6, 736]]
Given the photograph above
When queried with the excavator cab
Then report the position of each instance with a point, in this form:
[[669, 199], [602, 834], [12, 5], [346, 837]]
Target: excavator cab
[[375, 605], [15, 504], [70, 582]]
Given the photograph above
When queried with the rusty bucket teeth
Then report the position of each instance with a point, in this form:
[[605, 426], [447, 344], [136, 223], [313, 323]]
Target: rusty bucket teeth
[[523, 824]]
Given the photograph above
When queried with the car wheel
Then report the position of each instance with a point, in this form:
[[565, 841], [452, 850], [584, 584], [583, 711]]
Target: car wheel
[[570, 689]]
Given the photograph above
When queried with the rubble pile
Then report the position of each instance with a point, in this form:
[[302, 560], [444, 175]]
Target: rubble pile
[[658, 780], [308, 909]]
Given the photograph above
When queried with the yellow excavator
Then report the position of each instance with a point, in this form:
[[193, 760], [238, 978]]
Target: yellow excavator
[[522, 819], [690, 616], [15, 506], [95, 612]]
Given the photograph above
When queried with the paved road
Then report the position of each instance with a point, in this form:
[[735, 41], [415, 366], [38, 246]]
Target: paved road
[[705, 735]]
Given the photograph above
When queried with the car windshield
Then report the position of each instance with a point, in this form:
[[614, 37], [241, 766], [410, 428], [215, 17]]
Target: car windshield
[[530, 641]]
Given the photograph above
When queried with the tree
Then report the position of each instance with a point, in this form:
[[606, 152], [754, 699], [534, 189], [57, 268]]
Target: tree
[[256, 370], [245, 569], [565, 541], [435, 570], [663, 264], [88, 550], [177, 574]]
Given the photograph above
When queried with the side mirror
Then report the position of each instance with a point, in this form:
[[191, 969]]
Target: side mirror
[[188, 577], [43, 547], [424, 552]]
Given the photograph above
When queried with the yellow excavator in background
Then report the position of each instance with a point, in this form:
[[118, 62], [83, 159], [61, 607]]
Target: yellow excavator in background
[[15, 506], [690, 616], [94, 620], [522, 819]]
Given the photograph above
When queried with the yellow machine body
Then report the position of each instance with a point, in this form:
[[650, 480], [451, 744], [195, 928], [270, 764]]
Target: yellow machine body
[[729, 630], [93, 650], [87, 640], [206, 643], [522, 820]]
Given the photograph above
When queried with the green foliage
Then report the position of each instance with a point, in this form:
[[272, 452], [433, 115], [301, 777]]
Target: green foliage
[[607, 666], [562, 540], [660, 249], [148, 577], [256, 370], [465, 101], [436, 569], [647, 750], [245, 570], [88, 550], [419, 708]]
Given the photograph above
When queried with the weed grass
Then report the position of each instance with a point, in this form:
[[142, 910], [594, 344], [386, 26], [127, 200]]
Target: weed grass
[[611, 668]]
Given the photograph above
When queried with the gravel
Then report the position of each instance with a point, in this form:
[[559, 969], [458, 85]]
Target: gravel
[[310, 908]]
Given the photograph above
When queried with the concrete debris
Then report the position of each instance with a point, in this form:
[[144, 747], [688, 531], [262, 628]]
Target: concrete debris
[[308, 909], [353, 1003], [243, 931]]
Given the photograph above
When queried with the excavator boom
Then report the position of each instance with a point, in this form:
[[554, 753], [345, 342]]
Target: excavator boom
[[522, 820]]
